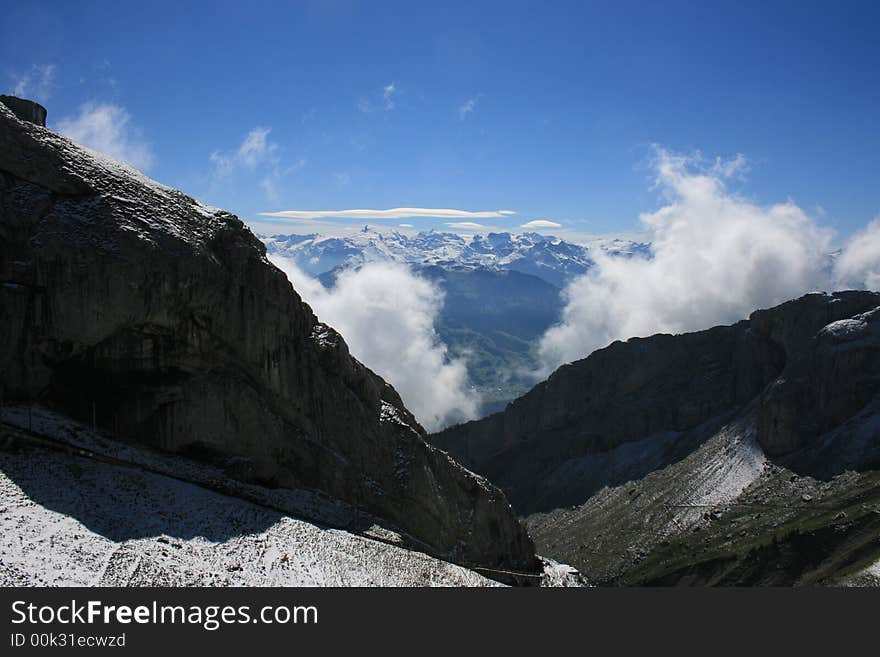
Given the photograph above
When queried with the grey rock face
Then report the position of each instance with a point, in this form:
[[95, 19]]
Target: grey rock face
[[131, 305], [26, 110], [637, 406], [832, 347], [726, 514]]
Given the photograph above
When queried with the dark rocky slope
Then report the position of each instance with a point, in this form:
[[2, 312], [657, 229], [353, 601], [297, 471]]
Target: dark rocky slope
[[131, 306], [738, 455], [726, 514], [638, 405]]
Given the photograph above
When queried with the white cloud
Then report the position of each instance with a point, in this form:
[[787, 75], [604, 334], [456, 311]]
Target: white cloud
[[466, 225], [386, 315], [255, 153], [406, 226], [223, 164], [716, 258], [393, 213], [255, 150], [37, 83], [268, 186], [385, 102], [858, 265], [541, 223], [387, 96], [468, 107], [106, 128]]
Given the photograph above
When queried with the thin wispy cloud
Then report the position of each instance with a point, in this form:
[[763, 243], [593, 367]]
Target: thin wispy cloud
[[107, 128], [384, 102], [468, 107], [254, 150], [388, 96], [267, 184], [37, 83], [256, 147], [393, 213], [259, 155], [541, 223], [100, 75], [465, 225], [299, 165]]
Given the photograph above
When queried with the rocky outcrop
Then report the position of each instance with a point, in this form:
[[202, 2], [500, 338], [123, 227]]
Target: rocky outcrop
[[133, 307], [725, 514], [832, 367], [26, 110], [637, 406], [742, 455]]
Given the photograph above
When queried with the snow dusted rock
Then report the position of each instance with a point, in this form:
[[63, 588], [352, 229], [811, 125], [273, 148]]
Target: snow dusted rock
[[638, 405], [725, 514], [724, 456], [26, 110], [560, 575], [614, 416], [832, 367], [66, 520], [132, 306]]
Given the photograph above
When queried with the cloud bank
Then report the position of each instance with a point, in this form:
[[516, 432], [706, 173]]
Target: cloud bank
[[858, 265], [106, 128], [393, 213], [386, 315], [716, 258]]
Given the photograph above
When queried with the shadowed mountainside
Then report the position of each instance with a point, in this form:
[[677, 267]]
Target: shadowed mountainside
[[744, 454], [133, 307], [639, 405]]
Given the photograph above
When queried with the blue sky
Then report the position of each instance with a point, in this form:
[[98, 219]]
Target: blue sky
[[545, 109]]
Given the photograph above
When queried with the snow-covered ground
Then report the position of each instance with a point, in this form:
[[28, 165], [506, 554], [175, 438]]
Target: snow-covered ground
[[69, 520], [869, 576]]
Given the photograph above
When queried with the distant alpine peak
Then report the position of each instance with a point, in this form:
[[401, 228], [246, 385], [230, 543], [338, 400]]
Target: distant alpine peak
[[549, 257]]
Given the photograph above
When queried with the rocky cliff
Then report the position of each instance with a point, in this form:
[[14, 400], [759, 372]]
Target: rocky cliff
[[622, 456], [138, 310], [26, 110], [639, 405]]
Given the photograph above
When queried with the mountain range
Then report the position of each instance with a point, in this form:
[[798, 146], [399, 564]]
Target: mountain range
[[502, 291], [138, 311], [173, 413], [743, 454], [549, 258]]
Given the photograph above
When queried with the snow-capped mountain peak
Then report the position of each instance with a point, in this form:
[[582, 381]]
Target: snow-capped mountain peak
[[550, 258]]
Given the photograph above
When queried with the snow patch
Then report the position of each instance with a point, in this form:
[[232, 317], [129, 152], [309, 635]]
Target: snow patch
[[66, 520]]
